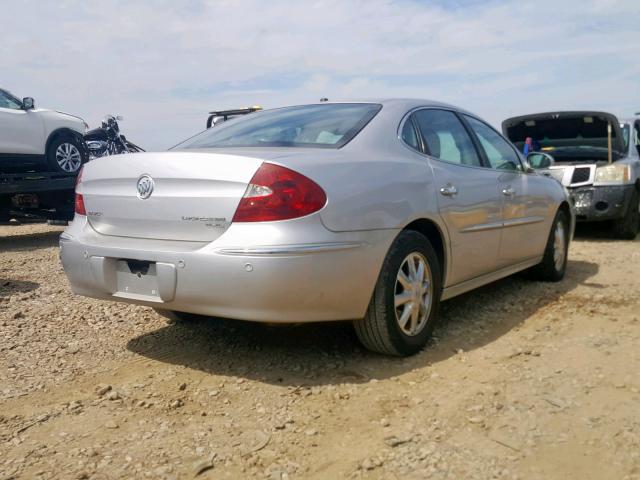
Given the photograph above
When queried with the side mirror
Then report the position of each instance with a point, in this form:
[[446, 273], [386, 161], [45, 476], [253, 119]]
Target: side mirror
[[28, 103], [540, 160]]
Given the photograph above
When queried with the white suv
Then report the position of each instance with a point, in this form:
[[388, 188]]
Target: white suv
[[36, 138]]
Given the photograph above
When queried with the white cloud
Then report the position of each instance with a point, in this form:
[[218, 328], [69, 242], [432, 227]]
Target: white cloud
[[163, 64]]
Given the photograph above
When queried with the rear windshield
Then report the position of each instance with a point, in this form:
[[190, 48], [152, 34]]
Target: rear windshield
[[315, 126]]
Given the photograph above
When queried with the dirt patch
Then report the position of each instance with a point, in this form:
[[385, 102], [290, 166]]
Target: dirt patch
[[522, 380]]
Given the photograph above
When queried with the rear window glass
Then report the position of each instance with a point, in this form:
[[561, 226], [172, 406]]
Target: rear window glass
[[314, 126], [409, 135], [446, 138]]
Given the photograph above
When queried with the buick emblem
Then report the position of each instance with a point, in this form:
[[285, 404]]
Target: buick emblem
[[145, 187]]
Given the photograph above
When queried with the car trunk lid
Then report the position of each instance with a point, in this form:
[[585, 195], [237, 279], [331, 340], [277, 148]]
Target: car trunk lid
[[193, 195]]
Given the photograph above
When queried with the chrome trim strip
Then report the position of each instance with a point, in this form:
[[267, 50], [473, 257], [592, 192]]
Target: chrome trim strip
[[507, 223], [474, 283], [483, 226], [290, 249], [522, 221]]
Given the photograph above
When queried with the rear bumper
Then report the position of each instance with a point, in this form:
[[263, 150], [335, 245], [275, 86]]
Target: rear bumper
[[601, 203], [303, 282]]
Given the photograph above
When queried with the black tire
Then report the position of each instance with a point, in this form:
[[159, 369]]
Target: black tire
[[627, 227], [66, 154], [380, 330], [548, 270]]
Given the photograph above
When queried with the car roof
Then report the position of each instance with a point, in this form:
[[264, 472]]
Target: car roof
[[397, 104], [390, 101]]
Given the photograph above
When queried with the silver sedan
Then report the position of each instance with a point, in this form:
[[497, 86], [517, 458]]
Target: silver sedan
[[366, 211]]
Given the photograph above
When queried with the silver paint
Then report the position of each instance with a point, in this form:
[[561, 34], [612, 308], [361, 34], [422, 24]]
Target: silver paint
[[303, 269]]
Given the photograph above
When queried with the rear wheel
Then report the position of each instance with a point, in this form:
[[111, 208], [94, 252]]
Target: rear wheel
[[627, 227], [404, 305], [554, 262], [65, 154]]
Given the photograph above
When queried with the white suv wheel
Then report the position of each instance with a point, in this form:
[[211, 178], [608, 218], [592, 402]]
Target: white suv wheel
[[68, 157]]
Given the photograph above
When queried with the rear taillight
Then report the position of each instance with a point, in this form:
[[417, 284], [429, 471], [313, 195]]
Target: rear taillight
[[277, 193], [80, 209]]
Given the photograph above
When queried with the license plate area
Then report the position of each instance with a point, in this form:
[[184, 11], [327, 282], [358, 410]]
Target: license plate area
[[582, 199], [137, 277], [25, 200]]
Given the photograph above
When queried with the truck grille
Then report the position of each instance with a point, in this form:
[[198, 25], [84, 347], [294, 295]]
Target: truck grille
[[581, 175]]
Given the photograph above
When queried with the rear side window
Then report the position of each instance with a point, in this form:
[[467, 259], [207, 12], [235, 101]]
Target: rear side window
[[500, 154], [316, 126], [446, 138], [409, 134]]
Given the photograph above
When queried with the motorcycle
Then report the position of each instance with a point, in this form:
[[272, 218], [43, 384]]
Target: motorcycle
[[107, 140]]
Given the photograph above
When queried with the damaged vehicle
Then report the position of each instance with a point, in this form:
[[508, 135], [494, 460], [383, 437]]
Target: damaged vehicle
[[38, 138], [594, 155], [365, 211], [41, 153]]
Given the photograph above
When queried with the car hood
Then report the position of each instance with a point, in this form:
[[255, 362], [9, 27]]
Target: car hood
[[563, 130], [58, 113], [69, 115]]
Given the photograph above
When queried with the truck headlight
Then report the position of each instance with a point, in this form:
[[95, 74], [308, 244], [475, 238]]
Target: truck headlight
[[613, 174]]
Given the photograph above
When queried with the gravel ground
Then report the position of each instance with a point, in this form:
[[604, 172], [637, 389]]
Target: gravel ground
[[522, 380]]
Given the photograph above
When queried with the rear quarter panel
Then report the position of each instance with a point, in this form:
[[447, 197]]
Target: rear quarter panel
[[376, 192]]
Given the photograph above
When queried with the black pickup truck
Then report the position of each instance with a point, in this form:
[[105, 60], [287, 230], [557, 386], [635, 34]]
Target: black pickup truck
[[43, 195]]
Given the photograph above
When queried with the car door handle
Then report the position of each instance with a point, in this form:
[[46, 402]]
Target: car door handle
[[508, 191], [449, 190]]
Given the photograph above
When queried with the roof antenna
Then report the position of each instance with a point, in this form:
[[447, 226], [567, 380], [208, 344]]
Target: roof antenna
[[325, 99]]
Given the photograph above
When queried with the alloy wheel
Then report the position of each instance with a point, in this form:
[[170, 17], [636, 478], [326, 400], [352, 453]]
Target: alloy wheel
[[559, 246], [68, 157], [413, 294]]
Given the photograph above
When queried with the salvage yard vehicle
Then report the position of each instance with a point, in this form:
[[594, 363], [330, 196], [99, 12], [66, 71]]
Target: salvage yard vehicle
[[594, 155], [36, 138], [41, 153], [363, 211]]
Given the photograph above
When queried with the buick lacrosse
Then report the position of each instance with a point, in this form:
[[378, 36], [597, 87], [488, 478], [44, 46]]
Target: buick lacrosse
[[366, 211]]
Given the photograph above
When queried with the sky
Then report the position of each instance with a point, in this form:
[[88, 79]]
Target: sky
[[164, 64]]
